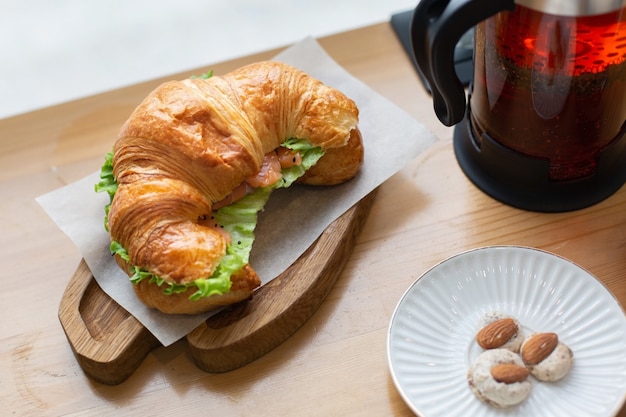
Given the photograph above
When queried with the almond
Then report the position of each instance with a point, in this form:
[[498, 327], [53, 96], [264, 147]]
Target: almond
[[496, 333], [538, 347], [509, 373]]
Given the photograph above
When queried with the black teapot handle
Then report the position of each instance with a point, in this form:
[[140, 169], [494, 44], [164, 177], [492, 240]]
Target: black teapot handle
[[436, 28]]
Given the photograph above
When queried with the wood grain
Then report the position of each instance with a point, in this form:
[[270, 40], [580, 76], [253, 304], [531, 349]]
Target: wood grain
[[236, 338], [109, 344], [335, 364]]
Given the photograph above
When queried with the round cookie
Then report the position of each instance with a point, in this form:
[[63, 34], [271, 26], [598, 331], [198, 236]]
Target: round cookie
[[512, 342], [487, 388], [554, 366]]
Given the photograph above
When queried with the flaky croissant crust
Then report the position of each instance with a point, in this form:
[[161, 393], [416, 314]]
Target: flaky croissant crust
[[190, 142]]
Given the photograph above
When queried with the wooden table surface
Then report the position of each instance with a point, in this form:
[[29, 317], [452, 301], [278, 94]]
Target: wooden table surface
[[336, 363]]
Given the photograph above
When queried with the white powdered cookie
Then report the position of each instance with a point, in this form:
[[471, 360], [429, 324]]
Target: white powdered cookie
[[513, 339], [491, 391], [552, 367]]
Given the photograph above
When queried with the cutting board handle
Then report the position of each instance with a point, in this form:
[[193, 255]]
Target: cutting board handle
[[107, 341], [110, 344]]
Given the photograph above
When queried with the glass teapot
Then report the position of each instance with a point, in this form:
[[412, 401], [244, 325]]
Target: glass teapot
[[542, 127]]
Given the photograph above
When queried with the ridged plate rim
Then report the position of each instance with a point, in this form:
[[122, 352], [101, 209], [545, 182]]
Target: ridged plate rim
[[430, 339]]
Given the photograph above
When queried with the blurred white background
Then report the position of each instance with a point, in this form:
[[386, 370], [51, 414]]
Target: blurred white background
[[53, 51]]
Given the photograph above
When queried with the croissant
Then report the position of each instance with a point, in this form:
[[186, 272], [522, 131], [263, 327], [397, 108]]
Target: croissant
[[188, 147]]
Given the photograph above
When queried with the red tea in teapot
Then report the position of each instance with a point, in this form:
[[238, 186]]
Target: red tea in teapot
[[550, 86]]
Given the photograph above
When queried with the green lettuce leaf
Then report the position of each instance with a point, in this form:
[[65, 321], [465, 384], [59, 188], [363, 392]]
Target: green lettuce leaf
[[238, 219], [107, 184], [205, 75]]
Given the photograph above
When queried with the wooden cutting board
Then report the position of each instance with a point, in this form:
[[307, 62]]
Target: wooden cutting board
[[110, 344]]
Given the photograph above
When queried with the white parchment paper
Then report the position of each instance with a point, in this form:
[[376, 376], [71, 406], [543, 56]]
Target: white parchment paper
[[293, 218]]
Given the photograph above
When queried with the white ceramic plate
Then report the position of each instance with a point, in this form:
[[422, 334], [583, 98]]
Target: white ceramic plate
[[431, 341]]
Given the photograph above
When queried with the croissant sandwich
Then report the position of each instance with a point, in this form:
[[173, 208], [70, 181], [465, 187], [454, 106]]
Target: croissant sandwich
[[197, 160]]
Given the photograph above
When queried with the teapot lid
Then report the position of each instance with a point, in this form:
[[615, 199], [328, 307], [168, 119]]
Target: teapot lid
[[573, 7]]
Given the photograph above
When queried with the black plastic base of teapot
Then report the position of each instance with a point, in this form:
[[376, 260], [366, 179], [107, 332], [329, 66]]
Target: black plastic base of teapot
[[522, 181]]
